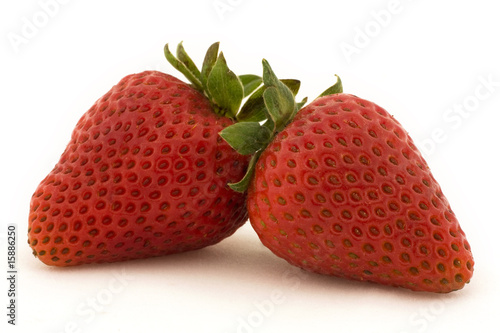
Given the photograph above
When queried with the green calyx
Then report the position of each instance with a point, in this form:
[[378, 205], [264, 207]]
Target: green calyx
[[265, 114], [269, 107], [215, 80]]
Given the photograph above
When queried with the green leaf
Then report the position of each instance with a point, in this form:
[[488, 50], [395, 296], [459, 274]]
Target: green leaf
[[181, 67], [272, 101], [279, 99], [247, 137], [224, 87], [243, 184], [279, 106], [335, 89], [209, 62], [187, 61], [250, 83], [292, 84], [254, 108]]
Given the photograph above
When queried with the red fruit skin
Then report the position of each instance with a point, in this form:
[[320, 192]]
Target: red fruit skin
[[344, 191], [145, 174]]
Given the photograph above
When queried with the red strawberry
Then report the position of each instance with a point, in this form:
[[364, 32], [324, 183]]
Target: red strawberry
[[145, 173], [342, 190]]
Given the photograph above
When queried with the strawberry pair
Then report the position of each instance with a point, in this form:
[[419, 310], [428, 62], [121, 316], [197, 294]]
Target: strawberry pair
[[157, 166]]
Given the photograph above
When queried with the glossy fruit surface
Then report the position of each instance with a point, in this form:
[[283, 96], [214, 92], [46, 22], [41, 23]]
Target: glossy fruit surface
[[145, 174], [343, 191]]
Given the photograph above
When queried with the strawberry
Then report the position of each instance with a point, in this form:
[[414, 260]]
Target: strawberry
[[339, 188], [145, 173]]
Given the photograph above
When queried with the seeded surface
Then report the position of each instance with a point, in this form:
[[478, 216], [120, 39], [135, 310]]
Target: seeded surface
[[145, 174], [344, 191]]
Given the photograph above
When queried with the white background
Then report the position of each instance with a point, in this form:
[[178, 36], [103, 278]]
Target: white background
[[422, 62]]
